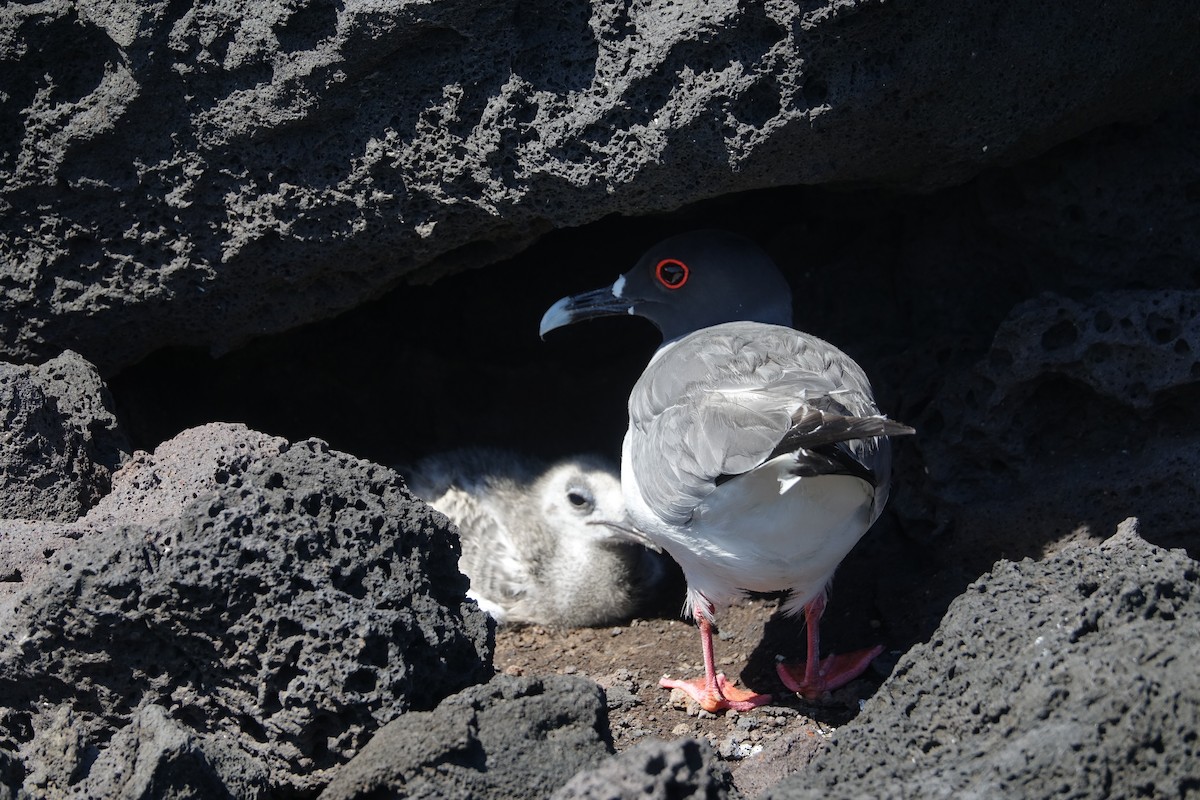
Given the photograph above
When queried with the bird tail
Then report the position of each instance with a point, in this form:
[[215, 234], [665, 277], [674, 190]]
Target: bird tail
[[812, 428]]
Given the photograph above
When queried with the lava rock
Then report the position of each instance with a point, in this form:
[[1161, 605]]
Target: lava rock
[[153, 489], [155, 757], [11, 774], [301, 602], [61, 440], [654, 770], [512, 738], [1082, 412], [786, 755], [1072, 677], [205, 175], [27, 546], [148, 490], [1113, 209]]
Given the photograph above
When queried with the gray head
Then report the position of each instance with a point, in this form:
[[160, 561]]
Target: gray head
[[685, 283]]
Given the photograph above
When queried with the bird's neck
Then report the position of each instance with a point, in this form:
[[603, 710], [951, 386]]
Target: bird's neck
[[777, 311]]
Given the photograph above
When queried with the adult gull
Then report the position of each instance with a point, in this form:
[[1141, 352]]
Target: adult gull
[[755, 456]]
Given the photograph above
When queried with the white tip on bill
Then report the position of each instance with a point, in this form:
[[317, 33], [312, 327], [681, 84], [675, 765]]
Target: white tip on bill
[[555, 317]]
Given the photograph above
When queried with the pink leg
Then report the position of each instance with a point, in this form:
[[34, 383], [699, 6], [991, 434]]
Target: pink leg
[[823, 675], [714, 691]]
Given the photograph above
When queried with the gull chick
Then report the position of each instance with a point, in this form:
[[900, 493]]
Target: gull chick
[[546, 544]]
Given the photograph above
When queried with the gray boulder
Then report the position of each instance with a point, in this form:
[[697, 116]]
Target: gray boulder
[[512, 739], [655, 770], [1069, 677], [61, 440], [153, 489], [155, 757], [148, 491], [282, 615]]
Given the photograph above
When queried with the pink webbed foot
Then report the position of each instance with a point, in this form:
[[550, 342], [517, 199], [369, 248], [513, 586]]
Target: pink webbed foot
[[719, 695], [831, 672], [714, 692], [814, 678]]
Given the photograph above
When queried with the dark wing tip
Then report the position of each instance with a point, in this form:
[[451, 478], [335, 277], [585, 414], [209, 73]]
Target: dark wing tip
[[812, 427], [893, 428]]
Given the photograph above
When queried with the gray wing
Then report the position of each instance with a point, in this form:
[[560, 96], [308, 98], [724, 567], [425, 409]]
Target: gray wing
[[724, 400]]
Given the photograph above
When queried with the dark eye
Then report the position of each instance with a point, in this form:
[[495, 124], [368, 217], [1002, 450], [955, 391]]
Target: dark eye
[[672, 273], [579, 499]]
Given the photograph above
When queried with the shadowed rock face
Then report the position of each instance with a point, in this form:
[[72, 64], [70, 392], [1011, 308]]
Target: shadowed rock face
[[182, 174], [295, 600], [1084, 409]]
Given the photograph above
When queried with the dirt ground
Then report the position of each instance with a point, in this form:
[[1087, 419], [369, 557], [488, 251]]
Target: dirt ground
[[759, 746]]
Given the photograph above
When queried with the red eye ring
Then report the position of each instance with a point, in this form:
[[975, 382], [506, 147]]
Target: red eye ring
[[672, 273]]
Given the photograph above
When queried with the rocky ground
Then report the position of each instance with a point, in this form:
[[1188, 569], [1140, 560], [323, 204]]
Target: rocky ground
[[759, 747]]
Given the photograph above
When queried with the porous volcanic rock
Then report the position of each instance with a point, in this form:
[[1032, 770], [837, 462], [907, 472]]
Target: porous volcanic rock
[[156, 757], [654, 770], [27, 546], [202, 174], [61, 439], [511, 739], [1069, 677], [261, 633], [1082, 412], [147, 491]]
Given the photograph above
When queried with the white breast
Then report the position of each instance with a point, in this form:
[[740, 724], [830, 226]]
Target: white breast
[[764, 531]]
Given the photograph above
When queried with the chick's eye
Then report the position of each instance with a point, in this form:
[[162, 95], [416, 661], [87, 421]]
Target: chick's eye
[[672, 273], [579, 499]]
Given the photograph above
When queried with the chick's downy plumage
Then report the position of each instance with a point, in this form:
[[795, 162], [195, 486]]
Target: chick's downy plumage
[[542, 543]]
